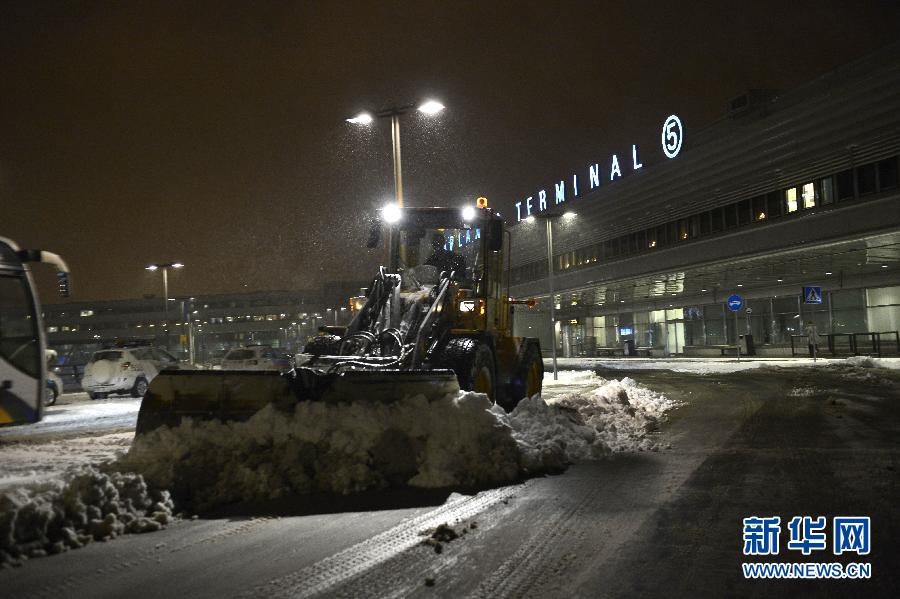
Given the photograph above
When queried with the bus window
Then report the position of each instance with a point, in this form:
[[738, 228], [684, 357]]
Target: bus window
[[19, 341]]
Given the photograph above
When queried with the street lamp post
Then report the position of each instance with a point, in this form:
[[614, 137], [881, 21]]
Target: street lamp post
[[184, 320], [549, 218], [165, 270], [429, 108]]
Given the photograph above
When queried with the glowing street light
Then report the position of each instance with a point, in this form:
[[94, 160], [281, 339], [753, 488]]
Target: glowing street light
[[363, 118], [549, 218], [429, 108], [165, 270], [391, 213]]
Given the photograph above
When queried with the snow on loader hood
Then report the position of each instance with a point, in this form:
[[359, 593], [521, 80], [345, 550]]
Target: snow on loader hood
[[458, 441]]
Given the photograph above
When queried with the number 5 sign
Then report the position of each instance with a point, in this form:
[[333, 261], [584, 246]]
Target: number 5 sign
[[672, 136]]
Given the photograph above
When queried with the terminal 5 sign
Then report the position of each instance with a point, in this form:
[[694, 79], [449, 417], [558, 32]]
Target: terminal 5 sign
[[672, 136]]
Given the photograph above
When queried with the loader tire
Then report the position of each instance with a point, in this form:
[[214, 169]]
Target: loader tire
[[473, 363], [527, 379], [323, 345]]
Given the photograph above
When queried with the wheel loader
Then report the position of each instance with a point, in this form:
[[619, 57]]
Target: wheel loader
[[436, 318]]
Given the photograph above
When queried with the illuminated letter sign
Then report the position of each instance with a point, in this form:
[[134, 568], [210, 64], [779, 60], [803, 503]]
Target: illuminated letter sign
[[672, 138], [595, 176], [614, 169], [634, 158]]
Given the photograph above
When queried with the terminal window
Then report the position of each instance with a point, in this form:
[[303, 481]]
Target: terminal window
[[887, 174], [773, 204], [759, 208], [844, 181], [744, 216], [827, 190], [866, 179], [730, 216], [809, 196], [790, 200]]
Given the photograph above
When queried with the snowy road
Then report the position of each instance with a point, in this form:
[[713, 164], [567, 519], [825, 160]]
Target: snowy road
[[822, 442], [75, 431], [77, 415]]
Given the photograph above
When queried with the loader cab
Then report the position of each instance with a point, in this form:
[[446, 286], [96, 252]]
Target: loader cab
[[469, 242]]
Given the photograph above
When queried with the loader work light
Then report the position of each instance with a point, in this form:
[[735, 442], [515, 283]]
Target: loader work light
[[472, 305], [468, 213], [391, 213]]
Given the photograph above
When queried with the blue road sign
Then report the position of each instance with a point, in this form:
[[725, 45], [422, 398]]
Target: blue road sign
[[735, 302], [812, 295]]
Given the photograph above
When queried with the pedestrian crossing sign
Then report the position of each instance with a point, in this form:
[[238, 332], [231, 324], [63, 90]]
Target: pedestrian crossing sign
[[812, 295]]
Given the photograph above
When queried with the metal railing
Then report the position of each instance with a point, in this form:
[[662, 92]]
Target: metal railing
[[874, 343]]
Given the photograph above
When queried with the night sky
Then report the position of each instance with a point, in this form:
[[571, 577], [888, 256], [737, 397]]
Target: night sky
[[213, 132]]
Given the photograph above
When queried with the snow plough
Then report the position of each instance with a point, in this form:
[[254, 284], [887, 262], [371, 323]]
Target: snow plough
[[437, 318]]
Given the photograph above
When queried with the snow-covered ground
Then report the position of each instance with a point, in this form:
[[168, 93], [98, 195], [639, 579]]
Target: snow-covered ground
[[27, 462], [59, 490], [76, 414], [460, 441], [716, 365]]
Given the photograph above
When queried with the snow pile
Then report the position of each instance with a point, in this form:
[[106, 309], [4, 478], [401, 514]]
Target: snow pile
[[28, 462], [621, 412], [88, 505], [455, 441], [725, 365], [870, 362], [802, 392], [330, 448], [571, 377], [459, 440], [550, 436]]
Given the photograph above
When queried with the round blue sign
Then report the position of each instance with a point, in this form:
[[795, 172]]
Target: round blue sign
[[735, 302]]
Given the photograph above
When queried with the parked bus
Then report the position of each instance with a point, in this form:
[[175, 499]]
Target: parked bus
[[23, 341]]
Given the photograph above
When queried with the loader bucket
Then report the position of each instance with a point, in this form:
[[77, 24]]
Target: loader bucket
[[209, 395], [237, 395], [390, 385]]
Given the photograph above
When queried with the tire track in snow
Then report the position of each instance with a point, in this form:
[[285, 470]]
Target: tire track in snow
[[322, 576], [533, 561]]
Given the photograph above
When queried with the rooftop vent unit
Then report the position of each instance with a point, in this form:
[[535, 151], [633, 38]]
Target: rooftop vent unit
[[749, 101]]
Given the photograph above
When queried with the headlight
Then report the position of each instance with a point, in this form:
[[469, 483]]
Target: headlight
[[391, 213], [473, 305]]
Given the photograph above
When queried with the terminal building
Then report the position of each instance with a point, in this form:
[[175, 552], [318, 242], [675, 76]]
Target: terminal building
[[198, 329], [790, 202]]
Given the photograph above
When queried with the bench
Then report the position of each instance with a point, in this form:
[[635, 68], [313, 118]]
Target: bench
[[609, 351], [700, 350], [612, 352]]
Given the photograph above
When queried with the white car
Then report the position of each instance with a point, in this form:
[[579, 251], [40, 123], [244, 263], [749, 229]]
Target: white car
[[125, 370], [54, 388], [255, 357], [53, 383]]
